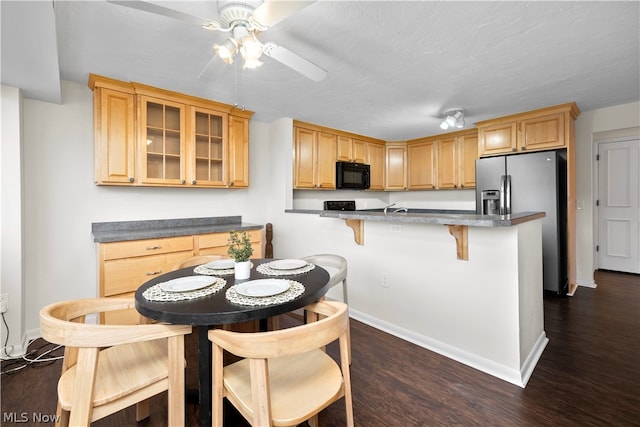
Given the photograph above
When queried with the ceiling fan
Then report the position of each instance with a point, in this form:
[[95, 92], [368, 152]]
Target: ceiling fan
[[243, 20]]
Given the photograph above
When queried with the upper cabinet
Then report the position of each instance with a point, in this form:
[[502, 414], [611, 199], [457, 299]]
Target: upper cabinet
[[395, 170], [467, 150], [161, 142], [442, 162], [543, 129], [318, 148], [315, 159], [154, 137], [375, 159], [351, 150], [421, 158]]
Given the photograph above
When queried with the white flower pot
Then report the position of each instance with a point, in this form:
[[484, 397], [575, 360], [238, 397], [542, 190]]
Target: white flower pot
[[243, 270]]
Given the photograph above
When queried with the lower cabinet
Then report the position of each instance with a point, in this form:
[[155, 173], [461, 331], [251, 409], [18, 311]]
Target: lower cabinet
[[125, 266]]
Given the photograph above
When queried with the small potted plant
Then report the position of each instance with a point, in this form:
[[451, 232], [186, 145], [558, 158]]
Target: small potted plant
[[240, 250]]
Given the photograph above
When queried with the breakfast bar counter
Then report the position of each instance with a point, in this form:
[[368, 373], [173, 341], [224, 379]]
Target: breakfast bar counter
[[424, 216], [478, 295]]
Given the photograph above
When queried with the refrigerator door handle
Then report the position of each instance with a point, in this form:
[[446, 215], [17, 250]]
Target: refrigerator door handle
[[508, 195], [503, 189]]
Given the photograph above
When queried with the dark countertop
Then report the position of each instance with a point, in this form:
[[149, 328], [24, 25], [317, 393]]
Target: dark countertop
[[119, 231], [445, 217]]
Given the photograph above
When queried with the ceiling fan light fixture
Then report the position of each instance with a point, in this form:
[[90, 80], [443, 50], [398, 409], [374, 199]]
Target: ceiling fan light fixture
[[227, 50]]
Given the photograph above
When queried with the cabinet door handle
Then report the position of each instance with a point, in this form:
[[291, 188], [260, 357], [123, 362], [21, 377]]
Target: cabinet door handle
[[193, 182], [153, 273], [151, 248], [523, 148], [131, 180], [514, 149]]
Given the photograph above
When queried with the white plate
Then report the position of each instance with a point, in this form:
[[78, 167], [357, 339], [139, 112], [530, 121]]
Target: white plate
[[262, 287], [188, 283], [220, 264], [287, 264]]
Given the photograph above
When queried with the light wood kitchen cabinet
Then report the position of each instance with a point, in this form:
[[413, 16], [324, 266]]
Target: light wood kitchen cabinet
[[467, 146], [351, 150], [218, 243], [395, 166], [161, 142], [207, 154], [238, 152], [114, 138], [155, 137], [447, 163], [375, 159], [315, 159], [124, 266], [421, 160], [543, 129]]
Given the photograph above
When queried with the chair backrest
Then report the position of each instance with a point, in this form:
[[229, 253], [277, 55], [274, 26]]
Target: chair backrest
[[336, 265], [284, 376], [299, 339], [63, 323], [196, 260]]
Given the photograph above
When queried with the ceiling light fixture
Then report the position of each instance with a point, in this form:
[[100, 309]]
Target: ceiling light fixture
[[453, 117], [244, 41]]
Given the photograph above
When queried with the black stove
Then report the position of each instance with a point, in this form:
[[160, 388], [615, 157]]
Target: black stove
[[340, 205]]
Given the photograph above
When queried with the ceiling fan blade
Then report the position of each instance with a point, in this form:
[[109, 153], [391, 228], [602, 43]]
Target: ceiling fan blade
[[270, 13], [295, 62], [168, 12]]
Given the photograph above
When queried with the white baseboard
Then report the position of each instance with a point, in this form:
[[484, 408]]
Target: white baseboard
[[513, 376], [586, 283]]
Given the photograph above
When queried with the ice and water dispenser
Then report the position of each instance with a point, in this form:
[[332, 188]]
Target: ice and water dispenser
[[490, 200]]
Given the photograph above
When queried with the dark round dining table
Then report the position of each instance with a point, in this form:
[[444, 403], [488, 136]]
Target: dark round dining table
[[215, 309]]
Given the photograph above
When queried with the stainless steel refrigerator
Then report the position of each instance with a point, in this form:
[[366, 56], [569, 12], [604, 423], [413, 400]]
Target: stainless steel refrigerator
[[531, 182]]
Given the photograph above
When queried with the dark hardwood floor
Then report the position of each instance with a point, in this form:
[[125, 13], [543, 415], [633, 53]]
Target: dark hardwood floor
[[589, 375]]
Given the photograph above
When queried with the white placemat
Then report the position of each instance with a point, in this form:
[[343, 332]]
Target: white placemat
[[203, 269], [268, 271], [156, 293], [295, 290]]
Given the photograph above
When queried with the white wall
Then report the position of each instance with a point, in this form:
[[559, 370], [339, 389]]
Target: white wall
[[623, 119], [11, 244]]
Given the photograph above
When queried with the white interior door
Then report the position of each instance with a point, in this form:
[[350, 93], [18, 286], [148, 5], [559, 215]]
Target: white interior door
[[618, 206]]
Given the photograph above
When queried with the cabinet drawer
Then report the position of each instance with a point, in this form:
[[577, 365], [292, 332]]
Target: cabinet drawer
[[138, 248], [222, 239], [126, 275]]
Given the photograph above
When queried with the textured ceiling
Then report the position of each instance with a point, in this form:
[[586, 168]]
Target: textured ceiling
[[394, 67]]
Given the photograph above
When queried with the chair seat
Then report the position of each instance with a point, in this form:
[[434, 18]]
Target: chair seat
[[299, 385], [122, 370]]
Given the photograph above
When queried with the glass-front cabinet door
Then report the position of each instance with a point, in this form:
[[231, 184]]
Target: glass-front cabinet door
[[162, 142], [208, 160]]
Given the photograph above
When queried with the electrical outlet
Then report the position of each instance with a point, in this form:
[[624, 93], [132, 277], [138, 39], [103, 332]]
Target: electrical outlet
[[386, 281], [396, 228], [4, 303]]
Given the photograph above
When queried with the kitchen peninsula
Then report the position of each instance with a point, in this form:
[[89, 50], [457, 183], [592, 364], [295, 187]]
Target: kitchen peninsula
[[485, 306]]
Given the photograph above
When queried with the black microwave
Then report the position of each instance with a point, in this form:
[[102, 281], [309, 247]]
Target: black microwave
[[353, 176]]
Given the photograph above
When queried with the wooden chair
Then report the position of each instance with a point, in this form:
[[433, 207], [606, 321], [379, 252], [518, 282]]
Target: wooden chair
[[107, 368], [286, 377], [196, 260]]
